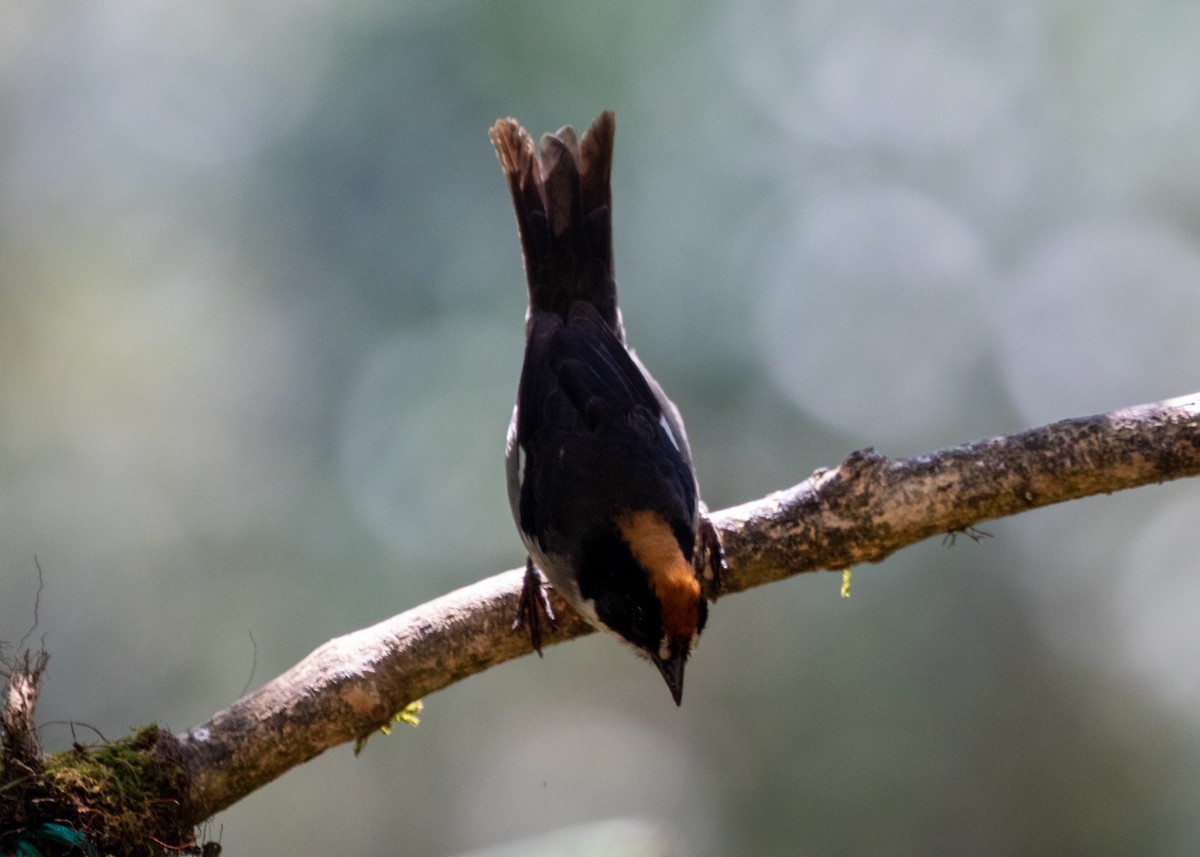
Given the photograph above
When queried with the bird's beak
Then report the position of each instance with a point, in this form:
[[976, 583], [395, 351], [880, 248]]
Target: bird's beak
[[672, 672]]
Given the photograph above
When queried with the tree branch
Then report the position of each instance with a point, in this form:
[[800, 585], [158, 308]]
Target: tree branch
[[154, 786], [862, 511], [20, 749], [871, 506]]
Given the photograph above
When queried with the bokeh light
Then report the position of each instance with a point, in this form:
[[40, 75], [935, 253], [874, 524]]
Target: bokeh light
[[877, 253], [1102, 315], [260, 322]]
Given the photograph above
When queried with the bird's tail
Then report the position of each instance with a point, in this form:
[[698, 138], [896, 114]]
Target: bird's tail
[[563, 204]]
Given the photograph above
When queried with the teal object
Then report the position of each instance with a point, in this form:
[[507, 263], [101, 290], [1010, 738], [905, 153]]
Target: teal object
[[29, 843]]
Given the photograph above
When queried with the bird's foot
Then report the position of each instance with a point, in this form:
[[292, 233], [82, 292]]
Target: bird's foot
[[534, 602], [710, 557]]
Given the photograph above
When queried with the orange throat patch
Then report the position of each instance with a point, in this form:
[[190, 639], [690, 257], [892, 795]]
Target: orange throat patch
[[653, 545]]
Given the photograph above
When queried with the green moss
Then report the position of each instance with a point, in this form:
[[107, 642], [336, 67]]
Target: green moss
[[126, 796]]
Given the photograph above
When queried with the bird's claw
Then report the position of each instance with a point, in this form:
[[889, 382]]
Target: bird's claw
[[710, 557], [533, 602]]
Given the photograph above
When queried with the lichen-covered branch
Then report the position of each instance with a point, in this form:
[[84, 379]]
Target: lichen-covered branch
[[871, 506], [862, 511], [353, 685]]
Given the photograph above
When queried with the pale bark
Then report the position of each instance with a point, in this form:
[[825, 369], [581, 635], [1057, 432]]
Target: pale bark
[[862, 511]]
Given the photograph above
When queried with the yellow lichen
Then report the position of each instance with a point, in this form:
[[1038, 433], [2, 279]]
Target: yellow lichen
[[407, 714]]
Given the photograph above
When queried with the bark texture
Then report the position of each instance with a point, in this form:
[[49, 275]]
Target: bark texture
[[862, 511]]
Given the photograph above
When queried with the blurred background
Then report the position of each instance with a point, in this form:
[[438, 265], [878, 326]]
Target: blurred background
[[261, 312]]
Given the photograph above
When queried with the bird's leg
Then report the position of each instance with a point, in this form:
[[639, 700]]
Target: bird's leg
[[710, 556], [533, 600]]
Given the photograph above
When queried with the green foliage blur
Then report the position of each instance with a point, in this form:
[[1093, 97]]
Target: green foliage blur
[[261, 310]]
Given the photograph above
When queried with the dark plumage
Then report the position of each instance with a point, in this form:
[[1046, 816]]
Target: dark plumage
[[600, 476]]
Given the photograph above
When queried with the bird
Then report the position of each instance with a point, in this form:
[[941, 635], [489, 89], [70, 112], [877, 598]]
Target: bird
[[600, 476]]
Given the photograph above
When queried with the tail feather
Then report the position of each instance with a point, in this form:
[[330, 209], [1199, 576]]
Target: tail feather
[[563, 204]]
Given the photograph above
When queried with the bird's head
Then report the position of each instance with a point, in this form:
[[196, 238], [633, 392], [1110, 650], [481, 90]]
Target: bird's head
[[639, 576]]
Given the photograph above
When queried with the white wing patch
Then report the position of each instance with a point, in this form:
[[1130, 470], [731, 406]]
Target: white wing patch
[[520, 465], [666, 426]]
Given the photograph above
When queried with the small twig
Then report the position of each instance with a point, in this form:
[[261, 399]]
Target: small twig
[[973, 533], [37, 604], [72, 724], [253, 663]]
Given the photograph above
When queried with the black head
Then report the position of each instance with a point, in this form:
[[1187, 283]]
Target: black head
[[642, 584]]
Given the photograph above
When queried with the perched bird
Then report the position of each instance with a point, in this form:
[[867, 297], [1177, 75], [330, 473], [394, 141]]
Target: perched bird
[[600, 476]]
